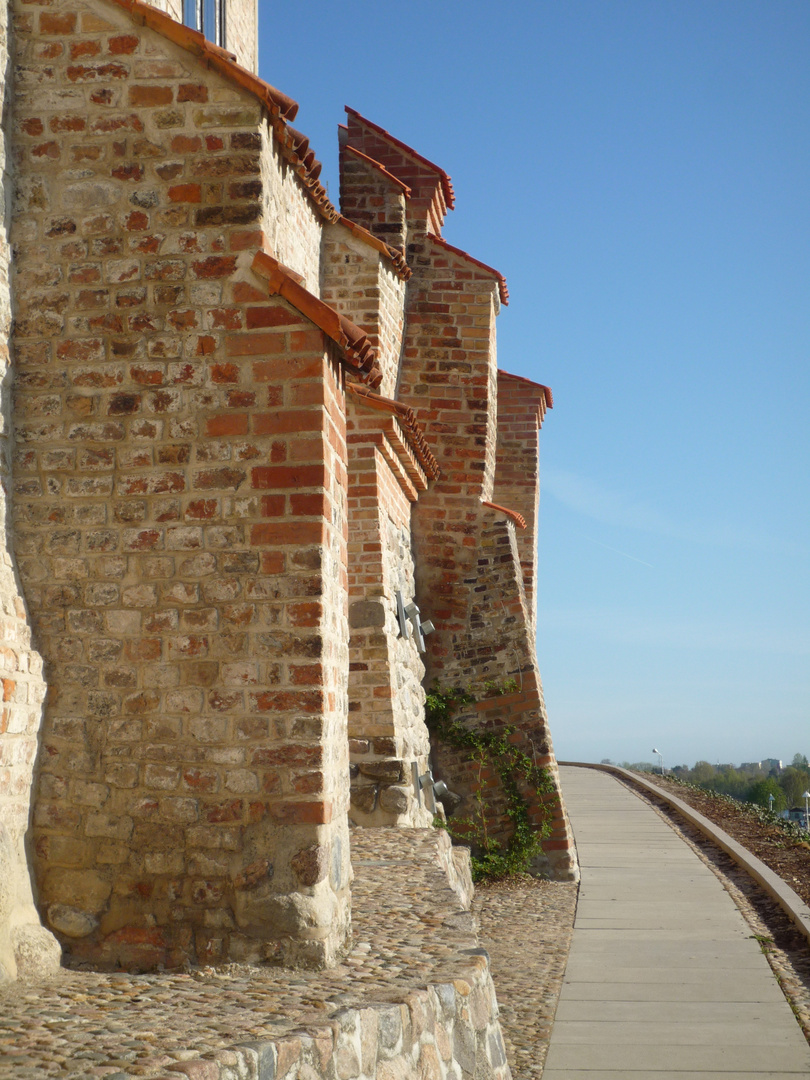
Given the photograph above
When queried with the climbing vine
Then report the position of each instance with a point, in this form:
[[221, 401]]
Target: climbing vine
[[490, 751]]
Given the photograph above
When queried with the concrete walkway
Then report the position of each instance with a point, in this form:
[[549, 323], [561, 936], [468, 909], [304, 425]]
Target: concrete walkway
[[664, 979]]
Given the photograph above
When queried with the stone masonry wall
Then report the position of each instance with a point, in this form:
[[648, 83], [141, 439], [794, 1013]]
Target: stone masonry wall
[[25, 948], [241, 27], [180, 515]]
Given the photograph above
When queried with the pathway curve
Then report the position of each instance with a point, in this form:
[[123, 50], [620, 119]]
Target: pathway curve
[[664, 979]]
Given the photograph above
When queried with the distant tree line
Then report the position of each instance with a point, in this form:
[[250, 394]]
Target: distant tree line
[[750, 782]]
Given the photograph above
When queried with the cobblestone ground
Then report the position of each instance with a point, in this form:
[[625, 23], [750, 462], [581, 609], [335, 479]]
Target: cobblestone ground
[[408, 931], [526, 928]]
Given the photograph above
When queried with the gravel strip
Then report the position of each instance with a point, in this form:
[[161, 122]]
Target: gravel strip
[[526, 927]]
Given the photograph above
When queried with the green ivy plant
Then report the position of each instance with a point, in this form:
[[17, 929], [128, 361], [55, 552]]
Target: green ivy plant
[[490, 751]]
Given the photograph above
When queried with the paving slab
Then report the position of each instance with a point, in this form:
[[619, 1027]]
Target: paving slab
[[664, 979]]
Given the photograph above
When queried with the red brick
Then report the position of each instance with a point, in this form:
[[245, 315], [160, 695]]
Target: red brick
[[255, 344], [227, 424], [242, 291], [127, 172], [123, 44], [287, 532], [192, 92], [84, 48], [185, 193], [185, 144], [215, 266], [224, 373], [309, 505], [137, 221], [287, 421], [283, 476], [273, 505], [50, 23], [149, 96], [247, 240], [67, 123], [303, 813], [274, 315]]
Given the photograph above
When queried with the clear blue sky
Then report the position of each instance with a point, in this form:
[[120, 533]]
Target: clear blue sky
[[639, 170]]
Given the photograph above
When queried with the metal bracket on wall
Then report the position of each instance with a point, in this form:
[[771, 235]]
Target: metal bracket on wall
[[410, 614], [424, 782]]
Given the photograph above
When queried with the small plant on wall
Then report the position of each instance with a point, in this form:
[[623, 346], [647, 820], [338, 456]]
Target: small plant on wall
[[490, 754]]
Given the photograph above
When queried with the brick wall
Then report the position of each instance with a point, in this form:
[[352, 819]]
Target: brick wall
[[242, 32], [386, 697], [469, 574], [241, 27], [521, 407], [180, 512], [371, 196], [291, 226], [363, 284], [25, 948]]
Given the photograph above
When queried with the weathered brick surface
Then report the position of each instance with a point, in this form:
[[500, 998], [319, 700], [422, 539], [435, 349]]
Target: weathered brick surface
[[521, 408], [180, 512], [469, 576], [241, 27], [387, 734], [23, 687], [363, 284], [198, 532]]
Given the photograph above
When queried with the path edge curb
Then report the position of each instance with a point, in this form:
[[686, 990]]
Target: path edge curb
[[778, 889]]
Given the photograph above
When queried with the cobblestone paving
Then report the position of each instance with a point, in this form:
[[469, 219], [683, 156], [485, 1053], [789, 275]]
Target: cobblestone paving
[[526, 928], [82, 1024]]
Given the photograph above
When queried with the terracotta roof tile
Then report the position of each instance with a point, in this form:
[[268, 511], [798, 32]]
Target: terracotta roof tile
[[394, 254], [407, 418], [513, 515], [406, 191], [519, 378], [502, 288], [447, 183], [293, 145], [354, 344]]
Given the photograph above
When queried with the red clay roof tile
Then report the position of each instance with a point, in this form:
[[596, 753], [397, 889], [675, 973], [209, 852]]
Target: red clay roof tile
[[407, 418], [406, 191], [447, 183], [357, 349], [502, 288], [513, 515]]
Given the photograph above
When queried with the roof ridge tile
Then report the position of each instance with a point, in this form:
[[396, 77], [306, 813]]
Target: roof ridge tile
[[352, 341]]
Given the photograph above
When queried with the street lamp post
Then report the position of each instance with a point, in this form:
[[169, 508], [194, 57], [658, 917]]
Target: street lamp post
[[661, 756], [806, 797]]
